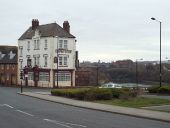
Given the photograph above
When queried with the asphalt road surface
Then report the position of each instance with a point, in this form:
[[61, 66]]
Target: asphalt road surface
[[18, 111]]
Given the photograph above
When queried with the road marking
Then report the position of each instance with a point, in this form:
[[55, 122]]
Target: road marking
[[64, 123], [8, 106], [24, 113], [72, 124], [53, 121]]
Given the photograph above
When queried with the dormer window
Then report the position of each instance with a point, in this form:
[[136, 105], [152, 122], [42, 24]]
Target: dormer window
[[11, 55], [1, 55]]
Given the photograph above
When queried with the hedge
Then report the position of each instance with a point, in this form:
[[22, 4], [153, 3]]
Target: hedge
[[164, 90], [71, 93], [153, 89], [161, 90], [93, 93], [98, 94]]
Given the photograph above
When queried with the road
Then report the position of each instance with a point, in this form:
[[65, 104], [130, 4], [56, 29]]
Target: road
[[18, 111]]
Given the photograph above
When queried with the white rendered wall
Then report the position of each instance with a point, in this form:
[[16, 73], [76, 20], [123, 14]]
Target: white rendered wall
[[51, 52]]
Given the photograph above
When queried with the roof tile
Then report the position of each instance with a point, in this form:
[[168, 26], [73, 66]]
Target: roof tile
[[47, 30]]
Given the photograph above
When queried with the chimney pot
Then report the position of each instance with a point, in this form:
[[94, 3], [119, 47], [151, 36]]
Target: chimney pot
[[66, 26], [35, 24]]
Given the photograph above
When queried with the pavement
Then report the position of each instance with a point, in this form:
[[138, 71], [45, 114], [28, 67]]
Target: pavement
[[141, 113], [165, 108]]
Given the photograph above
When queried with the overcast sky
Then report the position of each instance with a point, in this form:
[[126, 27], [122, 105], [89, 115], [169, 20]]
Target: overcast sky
[[106, 30]]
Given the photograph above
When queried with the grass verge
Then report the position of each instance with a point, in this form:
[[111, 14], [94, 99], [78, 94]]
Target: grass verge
[[136, 102]]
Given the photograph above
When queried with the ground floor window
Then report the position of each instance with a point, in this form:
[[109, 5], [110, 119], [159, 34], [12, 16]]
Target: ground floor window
[[30, 75], [63, 76], [44, 76]]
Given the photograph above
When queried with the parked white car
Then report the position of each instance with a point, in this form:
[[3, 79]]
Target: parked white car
[[110, 85]]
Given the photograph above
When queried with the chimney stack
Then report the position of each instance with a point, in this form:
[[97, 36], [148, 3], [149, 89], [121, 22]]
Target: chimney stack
[[66, 26], [35, 24]]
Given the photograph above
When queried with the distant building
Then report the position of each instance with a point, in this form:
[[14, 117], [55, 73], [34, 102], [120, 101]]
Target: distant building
[[86, 64], [8, 65], [123, 64], [94, 64], [49, 53]]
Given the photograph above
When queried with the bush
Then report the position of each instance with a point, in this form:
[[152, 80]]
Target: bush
[[71, 93], [133, 94], [56, 93], [153, 89], [123, 93], [164, 90], [103, 95], [98, 94], [116, 92], [89, 96]]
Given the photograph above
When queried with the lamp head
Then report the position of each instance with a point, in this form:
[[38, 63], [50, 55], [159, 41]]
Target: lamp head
[[153, 18]]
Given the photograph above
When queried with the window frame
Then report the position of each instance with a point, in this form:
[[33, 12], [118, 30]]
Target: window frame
[[60, 45], [63, 76], [28, 45], [60, 60], [36, 59], [44, 76], [30, 76], [45, 60], [21, 51], [36, 44], [65, 45], [45, 44], [65, 61], [21, 63]]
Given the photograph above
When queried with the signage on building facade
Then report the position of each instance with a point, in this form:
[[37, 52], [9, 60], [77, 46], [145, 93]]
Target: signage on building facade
[[63, 51]]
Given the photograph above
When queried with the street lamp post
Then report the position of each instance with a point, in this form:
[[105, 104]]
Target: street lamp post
[[57, 69], [160, 72], [21, 78]]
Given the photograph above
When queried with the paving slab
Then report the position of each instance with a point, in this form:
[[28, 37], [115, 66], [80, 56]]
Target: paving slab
[[159, 108], [154, 115]]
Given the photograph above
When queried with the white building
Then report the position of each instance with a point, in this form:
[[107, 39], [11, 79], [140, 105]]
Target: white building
[[39, 47]]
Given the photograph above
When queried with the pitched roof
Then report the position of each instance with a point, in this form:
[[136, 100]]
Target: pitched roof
[[8, 55], [47, 30]]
